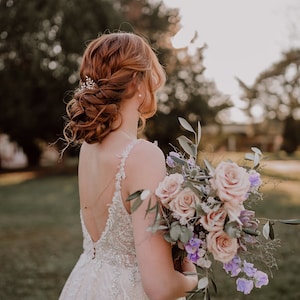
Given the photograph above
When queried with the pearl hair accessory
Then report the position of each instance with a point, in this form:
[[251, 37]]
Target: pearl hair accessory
[[89, 84]]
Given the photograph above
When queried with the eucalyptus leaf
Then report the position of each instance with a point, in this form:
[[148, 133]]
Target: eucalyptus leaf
[[185, 234], [175, 232], [179, 160], [290, 222], [256, 150], [202, 283], [136, 204], [249, 156], [251, 231], [187, 140], [134, 195], [256, 159], [271, 234], [266, 230], [199, 134], [210, 168], [186, 146], [168, 238], [186, 125]]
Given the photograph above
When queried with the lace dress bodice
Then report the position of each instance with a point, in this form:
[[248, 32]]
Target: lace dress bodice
[[107, 268]]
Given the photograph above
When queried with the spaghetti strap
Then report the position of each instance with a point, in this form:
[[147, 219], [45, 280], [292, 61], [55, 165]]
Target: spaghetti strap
[[121, 173]]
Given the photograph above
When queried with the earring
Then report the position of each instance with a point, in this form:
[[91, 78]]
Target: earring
[[140, 95]]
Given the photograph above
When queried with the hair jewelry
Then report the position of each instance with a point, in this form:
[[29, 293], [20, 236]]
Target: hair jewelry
[[89, 84]]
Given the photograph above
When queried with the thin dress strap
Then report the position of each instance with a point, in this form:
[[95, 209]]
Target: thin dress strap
[[121, 173]]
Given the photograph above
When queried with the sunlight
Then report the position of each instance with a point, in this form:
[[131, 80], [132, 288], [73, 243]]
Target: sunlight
[[242, 37]]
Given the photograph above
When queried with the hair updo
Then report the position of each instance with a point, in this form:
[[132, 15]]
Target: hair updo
[[110, 65]]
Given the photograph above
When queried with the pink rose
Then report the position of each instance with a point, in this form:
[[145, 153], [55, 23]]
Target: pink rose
[[169, 188], [231, 183], [214, 220], [221, 246], [183, 205]]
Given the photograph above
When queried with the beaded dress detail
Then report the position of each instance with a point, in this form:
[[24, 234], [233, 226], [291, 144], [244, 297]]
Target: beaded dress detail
[[107, 269]]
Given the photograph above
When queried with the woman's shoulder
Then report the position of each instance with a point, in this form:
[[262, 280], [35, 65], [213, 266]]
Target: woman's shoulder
[[145, 167], [146, 148], [146, 152]]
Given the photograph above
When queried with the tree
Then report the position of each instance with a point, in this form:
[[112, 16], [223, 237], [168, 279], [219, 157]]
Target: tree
[[187, 93], [41, 43], [276, 91], [40, 47]]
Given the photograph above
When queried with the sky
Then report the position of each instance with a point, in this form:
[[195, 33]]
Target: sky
[[243, 37]]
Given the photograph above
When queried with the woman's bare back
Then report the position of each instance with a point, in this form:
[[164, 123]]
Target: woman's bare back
[[98, 166]]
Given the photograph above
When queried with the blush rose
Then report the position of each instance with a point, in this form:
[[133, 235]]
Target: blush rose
[[232, 184], [222, 246], [214, 220], [183, 205], [169, 188]]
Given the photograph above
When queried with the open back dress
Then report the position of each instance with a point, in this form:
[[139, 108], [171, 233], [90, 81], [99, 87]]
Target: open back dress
[[107, 269]]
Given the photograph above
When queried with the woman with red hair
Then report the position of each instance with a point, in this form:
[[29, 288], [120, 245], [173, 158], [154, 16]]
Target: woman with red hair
[[120, 75]]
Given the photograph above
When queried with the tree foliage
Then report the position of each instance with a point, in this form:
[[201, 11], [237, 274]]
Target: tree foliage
[[41, 43], [277, 92]]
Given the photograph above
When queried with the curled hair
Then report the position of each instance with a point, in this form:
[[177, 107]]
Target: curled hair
[[113, 64]]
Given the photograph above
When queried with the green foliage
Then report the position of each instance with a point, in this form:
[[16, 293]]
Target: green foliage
[[41, 43], [276, 91]]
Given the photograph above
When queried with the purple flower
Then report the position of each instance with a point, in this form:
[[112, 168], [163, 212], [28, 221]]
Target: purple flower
[[254, 178], [193, 257], [170, 162], [260, 279], [249, 269], [244, 285], [246, 216], [233, 266], [193, 245], [192, 248]]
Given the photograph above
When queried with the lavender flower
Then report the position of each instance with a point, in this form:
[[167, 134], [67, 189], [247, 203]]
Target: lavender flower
[[233, 266], [193, 257], [260, 279], [249, 269], [193, 245], [247, 219], [170, 162], [254, 178], [244, 285]]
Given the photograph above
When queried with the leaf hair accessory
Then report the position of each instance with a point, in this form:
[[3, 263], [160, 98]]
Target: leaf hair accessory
[[89, 84]]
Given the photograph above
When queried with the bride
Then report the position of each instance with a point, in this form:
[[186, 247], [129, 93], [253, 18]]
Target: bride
[[120, 75]]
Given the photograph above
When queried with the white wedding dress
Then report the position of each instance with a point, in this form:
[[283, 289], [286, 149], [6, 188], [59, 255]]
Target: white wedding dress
[[107, 269]]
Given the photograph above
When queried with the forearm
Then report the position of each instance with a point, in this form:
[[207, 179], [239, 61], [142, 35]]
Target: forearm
[[170, 287]]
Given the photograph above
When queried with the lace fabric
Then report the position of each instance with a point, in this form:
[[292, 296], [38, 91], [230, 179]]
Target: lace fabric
[[107, 268]]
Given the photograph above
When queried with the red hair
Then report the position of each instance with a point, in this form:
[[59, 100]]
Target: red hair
[[114, 62]]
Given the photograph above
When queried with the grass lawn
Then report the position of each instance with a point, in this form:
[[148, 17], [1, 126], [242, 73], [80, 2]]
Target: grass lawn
[[40, 235]]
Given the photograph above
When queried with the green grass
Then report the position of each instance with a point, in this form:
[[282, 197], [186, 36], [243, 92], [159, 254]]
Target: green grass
[[40, 238]]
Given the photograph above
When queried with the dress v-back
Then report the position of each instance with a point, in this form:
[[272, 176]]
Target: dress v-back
[[107, 269]]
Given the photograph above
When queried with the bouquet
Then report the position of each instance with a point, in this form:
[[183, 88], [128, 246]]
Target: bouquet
[[204, 212]]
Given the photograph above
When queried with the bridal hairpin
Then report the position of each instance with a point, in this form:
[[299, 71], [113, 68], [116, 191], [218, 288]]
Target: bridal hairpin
[[89, 84]]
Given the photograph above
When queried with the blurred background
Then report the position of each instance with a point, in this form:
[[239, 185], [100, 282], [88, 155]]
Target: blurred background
[[234, 66]]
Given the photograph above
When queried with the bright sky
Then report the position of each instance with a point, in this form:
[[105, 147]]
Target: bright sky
[[244, 37]]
